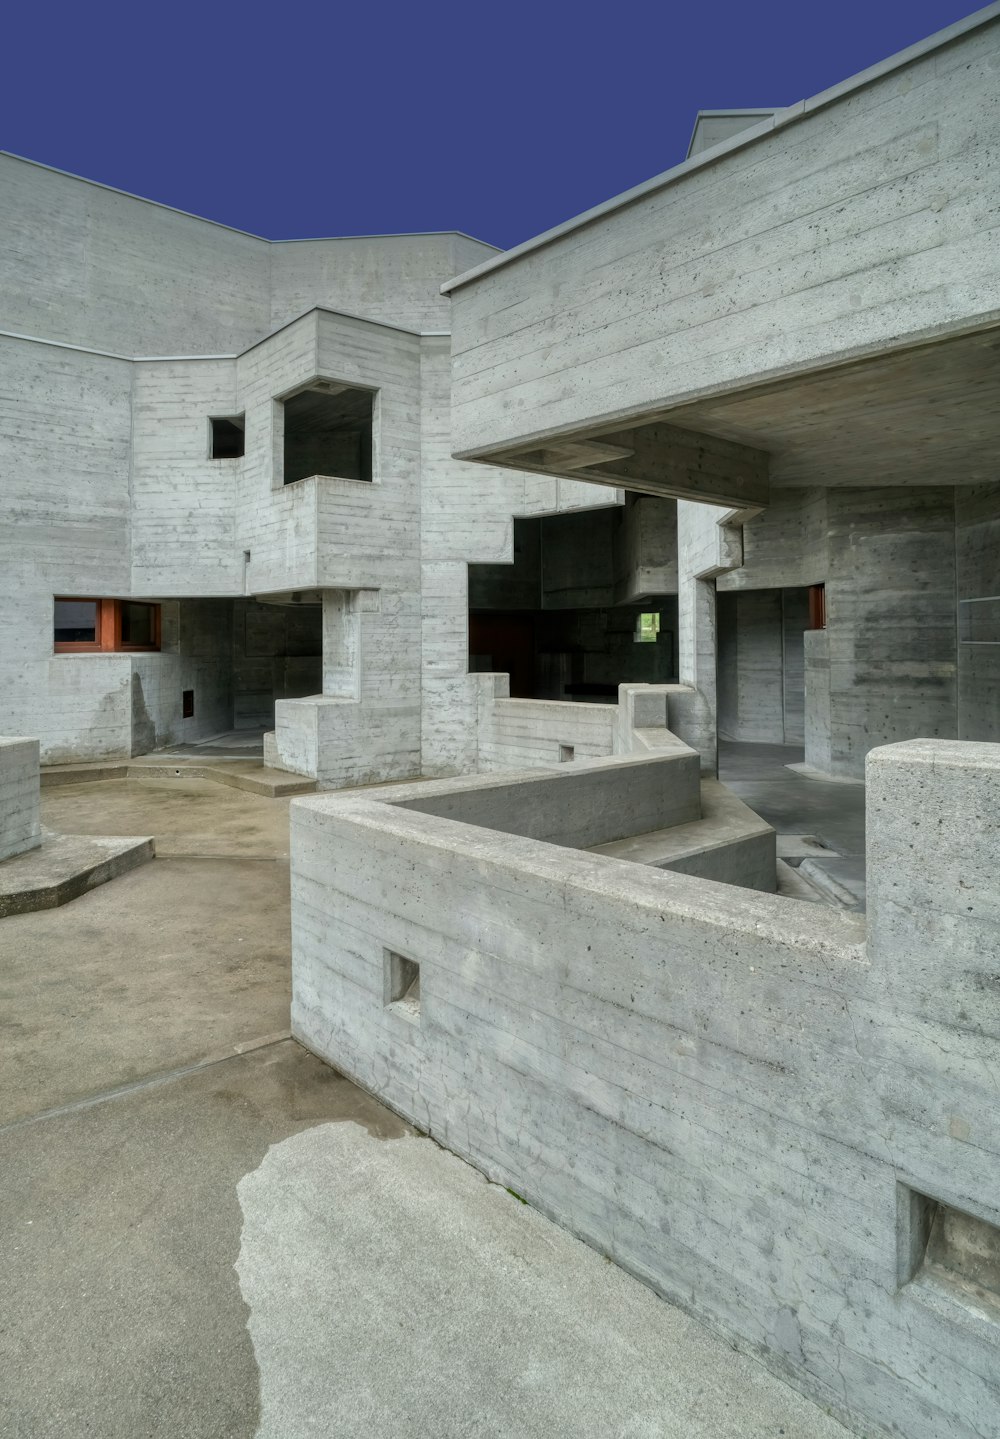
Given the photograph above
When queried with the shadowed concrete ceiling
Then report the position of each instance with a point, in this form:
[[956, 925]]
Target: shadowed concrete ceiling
[[927, 416]]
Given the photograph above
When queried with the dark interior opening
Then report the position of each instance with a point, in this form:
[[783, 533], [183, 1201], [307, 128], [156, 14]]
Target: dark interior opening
[[228, 438], [328, 431], [571, 618]]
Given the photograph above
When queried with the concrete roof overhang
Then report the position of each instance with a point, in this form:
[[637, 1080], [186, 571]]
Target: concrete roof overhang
[[927, 415]]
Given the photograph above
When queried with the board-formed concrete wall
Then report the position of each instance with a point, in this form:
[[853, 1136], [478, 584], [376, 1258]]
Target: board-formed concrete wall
[[855, 220], [742, 1099], [110, 489], [20, 827]]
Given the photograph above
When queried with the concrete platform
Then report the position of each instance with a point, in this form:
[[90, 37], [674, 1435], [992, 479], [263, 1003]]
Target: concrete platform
[[66, 866], [249, 775]]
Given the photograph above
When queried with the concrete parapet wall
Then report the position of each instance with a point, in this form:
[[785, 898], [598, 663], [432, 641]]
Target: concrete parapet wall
[[745, 1101], [20, 828], [588, 803], [523, 733]]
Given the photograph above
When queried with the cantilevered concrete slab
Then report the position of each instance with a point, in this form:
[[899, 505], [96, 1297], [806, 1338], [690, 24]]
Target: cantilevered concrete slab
[[847, 226]]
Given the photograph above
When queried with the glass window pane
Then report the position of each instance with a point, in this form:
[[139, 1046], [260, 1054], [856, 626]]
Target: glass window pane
[[137, 623], [75, 621]]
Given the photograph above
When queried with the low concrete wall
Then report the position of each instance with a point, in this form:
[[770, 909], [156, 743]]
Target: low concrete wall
[[747, 1102], [524, 734], [591, 802], [20, 829]]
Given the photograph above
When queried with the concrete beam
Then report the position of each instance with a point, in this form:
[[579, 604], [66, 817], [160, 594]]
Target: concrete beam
[[658, 459]]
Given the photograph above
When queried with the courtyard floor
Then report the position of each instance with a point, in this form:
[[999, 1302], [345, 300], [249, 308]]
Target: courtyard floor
[[204, 1231]]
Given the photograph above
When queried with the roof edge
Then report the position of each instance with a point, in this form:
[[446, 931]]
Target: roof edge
[[233, 229], [786, 116]]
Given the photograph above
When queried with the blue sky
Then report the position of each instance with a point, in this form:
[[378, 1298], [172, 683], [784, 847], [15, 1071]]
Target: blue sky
[[327, 119]]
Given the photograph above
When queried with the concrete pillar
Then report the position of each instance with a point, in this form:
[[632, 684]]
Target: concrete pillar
[[933, 856], [705, 548], [817, 702], [342, 644]]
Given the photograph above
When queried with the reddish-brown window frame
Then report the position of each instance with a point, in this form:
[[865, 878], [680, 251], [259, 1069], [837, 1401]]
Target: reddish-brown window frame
[[109, 629], [817, 607]]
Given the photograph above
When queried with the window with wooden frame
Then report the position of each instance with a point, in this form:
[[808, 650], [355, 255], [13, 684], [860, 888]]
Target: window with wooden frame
[[817, 607], [89, 626]]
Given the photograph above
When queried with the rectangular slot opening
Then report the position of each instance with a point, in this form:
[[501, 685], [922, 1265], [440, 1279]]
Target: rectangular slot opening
[[187, 704], [402, 985], [950, 1250], [328, 431]]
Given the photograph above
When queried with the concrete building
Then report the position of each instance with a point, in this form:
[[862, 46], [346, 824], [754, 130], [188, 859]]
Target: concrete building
[[797, 325], [229, 500]]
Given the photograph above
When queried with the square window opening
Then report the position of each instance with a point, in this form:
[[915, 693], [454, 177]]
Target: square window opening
[[647, 628], [950, 1250], [328, 431], [567, 752], [228, 437], [402, 985], [77, 622]]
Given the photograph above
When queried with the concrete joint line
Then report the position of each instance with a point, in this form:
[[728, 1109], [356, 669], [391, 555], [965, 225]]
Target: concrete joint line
[[151, 1081]]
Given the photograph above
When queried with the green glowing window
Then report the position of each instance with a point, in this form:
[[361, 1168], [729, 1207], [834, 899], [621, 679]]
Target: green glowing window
[[647, 629]]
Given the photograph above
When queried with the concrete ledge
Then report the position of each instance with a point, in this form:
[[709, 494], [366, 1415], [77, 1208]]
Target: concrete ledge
[[256, 779], [66, 866], [730, 843]]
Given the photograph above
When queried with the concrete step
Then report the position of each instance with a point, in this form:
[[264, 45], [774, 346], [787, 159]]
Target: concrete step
[[66, 866], [248, 775]]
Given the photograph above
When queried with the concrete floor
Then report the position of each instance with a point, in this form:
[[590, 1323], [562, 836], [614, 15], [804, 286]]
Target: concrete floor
[[797, 805], [200, 1241]]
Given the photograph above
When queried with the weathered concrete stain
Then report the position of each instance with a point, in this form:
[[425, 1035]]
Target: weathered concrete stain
[[392, 1290]]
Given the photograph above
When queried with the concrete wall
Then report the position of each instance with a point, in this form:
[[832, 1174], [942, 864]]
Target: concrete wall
[[110, 489], [89, 266], [893, 562], [20, 827], [735, 1096], [761, 678], [890, 602], [466, 517], [591, 802], [859, 220], [65, 422], [516, 734], [977, 560]]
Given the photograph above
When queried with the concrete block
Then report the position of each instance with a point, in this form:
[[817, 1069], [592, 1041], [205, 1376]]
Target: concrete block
[[20, 828]]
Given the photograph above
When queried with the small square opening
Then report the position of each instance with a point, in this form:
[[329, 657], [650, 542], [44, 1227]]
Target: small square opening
[[228, 437], [402, 985], [950, 1250], [566, 753]]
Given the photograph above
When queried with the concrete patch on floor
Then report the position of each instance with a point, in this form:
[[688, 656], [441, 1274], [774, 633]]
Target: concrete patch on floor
[[393, 1291]]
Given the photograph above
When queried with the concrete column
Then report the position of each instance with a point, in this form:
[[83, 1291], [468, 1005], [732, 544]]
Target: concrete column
[[933, 856], [341, 644], [817, 712], [705, 548]]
